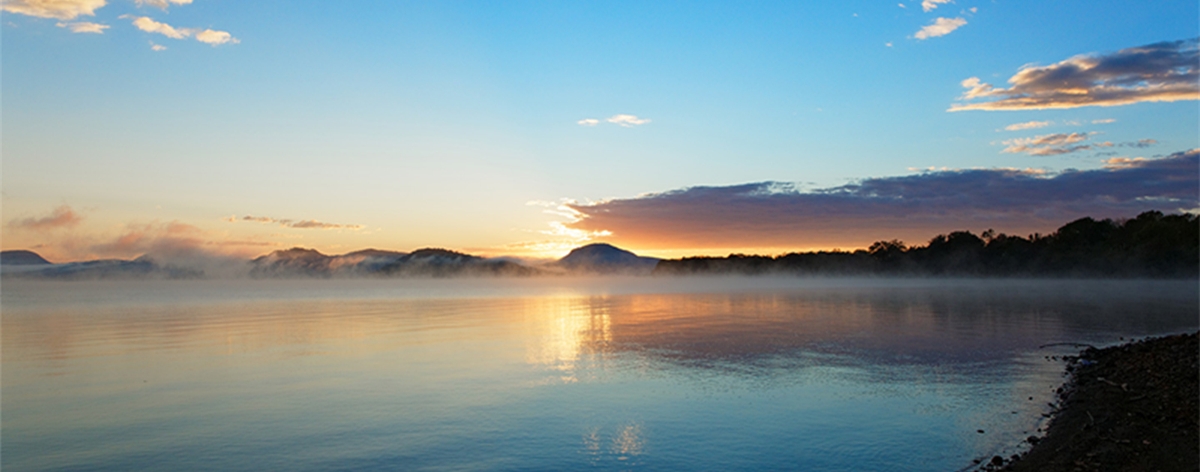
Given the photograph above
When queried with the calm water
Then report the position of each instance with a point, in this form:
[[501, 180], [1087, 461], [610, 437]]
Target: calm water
[[608, 374]]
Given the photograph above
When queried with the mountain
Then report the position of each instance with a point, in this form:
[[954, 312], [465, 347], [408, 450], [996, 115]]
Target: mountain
[[140, 268], [22, 257], [601, 258], [445, 263], [300, 262]]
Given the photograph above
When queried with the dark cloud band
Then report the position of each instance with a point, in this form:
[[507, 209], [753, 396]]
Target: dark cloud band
[[915, 207]]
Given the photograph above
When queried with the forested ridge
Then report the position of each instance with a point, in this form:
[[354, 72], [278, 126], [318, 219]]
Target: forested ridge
[[1150, 245]]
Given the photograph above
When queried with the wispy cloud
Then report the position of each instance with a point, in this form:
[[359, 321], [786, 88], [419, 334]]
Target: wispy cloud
[[626, 121], [207, 36], [771, 214], [150, 26], [1103, 121], [1065, 143], [930, 5], [290, 223], [940, 27], [1028, 125], [83, 27], [59, 9], [1159, 72], [153, 237], [61, 217], [163, 4], [1047, 145], [157, 47]]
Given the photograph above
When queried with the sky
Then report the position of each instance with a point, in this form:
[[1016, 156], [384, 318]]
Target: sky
[[166, 127]]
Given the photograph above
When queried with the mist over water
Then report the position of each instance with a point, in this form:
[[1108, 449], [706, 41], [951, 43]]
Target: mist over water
[[547, 374]]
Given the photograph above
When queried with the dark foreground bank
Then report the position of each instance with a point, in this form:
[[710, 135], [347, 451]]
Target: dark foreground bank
[[1133, 407]]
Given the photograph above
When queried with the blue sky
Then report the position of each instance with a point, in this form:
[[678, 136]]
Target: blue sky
[[457, 124]]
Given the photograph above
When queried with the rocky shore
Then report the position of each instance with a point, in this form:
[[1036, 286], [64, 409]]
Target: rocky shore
[[1133, 407]]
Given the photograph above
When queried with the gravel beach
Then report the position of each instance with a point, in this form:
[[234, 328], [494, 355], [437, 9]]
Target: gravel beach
[[1132, 407]]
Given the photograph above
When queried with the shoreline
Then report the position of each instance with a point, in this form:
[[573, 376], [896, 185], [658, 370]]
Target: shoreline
[[1130, 407]]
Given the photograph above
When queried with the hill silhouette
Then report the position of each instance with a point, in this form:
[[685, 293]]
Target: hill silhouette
[[1149, 245], [602, 258], [22, 257], [429, 262]]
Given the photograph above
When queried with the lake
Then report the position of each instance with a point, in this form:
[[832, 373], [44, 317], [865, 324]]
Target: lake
[[548, 374]]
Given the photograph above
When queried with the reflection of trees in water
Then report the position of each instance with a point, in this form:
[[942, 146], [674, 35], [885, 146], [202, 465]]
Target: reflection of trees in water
[[947, 321]]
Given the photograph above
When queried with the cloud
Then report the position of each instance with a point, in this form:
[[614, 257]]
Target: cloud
[[1103, 121], [215, 38], [940, 27], [172, 237], [61, 217], [930, 5], [913, 208], [627, 121], [161, 3], [84, 27], [1028, 125], [150, 26], [1159, 72], [1064, 143], [207, 36], [1046, 145], [59, 9], [314, 224], [1124, 162], [289, 223], [157, 47]]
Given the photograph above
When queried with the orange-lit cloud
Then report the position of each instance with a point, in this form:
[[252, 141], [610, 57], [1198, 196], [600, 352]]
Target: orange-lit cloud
[[83, 27], [940, 27], [163, 4], [206, 36], [912, 208], [150, 26], [58, 9], [215, 38], [1160, 72], [1064, 143], [61, 217], [61, 235], [1028, 125], [289, 223]]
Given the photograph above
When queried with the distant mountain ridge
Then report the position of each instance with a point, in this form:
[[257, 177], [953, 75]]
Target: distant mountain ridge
[[1150, 245], [28, 264], [428, 262]]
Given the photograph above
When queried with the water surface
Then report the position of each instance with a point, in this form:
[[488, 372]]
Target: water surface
[[564, 374]]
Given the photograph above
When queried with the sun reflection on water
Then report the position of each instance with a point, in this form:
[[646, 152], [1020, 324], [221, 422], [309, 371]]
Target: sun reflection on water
[[565, 330]]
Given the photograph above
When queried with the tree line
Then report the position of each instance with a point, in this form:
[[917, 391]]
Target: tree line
[[1150, 245]]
